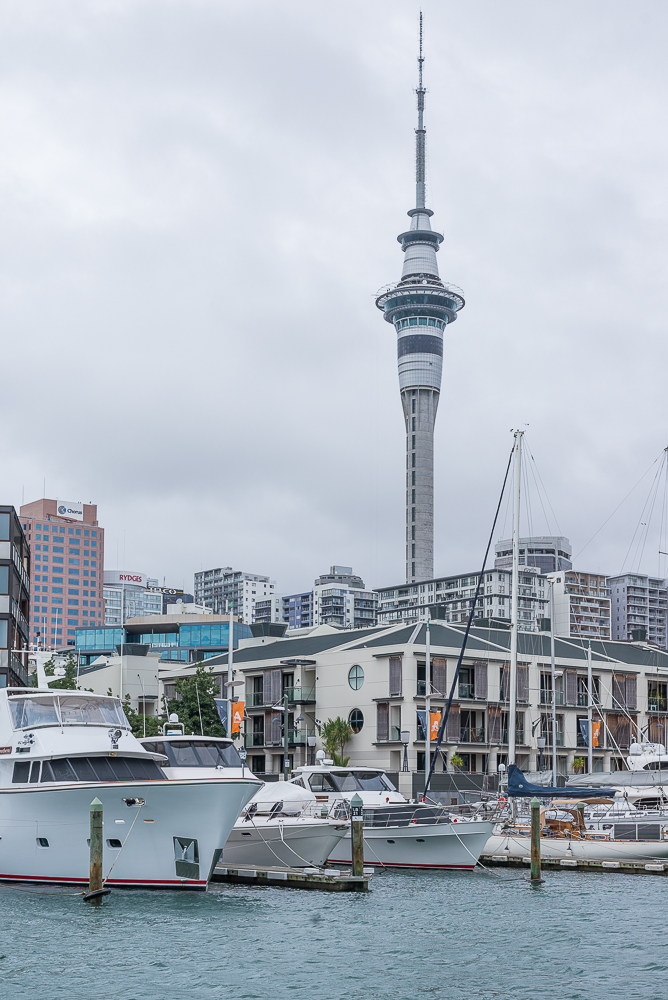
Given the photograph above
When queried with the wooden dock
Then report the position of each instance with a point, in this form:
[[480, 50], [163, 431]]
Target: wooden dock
[[319, 879], [568, 864]]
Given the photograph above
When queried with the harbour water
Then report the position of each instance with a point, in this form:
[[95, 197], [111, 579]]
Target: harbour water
[[447, 936]]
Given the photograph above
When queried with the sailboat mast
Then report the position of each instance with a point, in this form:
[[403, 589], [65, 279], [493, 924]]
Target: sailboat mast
[[590, 749], [514, 600], [553, 674], [427, 706]]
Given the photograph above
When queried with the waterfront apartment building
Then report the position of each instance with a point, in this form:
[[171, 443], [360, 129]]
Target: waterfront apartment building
[[67, 562], [639, 607], [581, 604], [14, 600], [375, 678], [548, 553], [450, 598], [129, 594], [217, 587], [338, 598]]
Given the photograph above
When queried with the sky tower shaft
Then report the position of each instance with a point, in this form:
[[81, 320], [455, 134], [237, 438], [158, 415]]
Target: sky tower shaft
[[420, 306]]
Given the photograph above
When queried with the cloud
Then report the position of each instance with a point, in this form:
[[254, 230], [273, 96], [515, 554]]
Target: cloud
[[198, 202]]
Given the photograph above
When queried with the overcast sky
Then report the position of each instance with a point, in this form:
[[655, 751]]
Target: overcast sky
[[198, 201]]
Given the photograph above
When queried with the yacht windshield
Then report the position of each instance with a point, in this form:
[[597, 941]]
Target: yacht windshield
[[66, 710], [197, 753], [364, 781]]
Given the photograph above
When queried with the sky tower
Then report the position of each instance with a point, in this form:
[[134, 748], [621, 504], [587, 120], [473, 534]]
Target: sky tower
[[420, 306]]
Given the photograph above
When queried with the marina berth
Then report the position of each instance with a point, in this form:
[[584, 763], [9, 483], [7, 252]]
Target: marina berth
[[283, 824], [59, 750]]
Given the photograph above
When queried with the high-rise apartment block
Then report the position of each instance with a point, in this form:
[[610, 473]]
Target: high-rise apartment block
[[581, 604], [548, 553], [419, 307], [217, 587], [14, 600], [450, 599], [639, 607], [67, 546], [338, 598]]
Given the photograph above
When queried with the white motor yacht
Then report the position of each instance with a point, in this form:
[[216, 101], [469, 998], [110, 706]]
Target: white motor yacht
[[61, 749], [397, 833], [282, 825]]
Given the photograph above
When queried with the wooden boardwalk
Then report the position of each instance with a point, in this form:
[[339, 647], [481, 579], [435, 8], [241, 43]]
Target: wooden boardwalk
[[323, 880], [628, 867]]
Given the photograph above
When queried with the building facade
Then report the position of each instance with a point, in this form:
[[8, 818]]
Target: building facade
[[338, 598], [217, 587], [14, 600], [581, 604], [128, 594], [419, 307], [450, 599], [184, 638], [548, 553], [66, 584], [639, 607], [376, 679]]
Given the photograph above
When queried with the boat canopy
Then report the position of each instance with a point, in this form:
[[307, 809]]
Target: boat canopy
[[519, 786]]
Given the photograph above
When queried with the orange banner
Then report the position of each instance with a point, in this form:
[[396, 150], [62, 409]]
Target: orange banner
[[595, 733], [237, 716], [434, 723]]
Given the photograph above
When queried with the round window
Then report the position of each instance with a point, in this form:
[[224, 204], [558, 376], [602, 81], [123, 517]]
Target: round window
[[356, 677], [356, 720]]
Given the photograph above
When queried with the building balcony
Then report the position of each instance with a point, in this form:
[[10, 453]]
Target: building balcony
[[467, 735], [546, 698], [254, 740], [300, 695]]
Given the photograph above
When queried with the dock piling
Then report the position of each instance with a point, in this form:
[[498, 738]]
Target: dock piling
[[357, 834], [535, 842], [95, 877]]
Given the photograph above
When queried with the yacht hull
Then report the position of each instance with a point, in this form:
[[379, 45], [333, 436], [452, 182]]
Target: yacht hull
[[444, 845], [291, 842], [510, 845], [44, 831]]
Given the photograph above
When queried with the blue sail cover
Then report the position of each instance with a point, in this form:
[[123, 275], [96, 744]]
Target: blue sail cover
[[519, 786]]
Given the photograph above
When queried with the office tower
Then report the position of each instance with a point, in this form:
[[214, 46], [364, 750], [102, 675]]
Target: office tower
[[67, 548]]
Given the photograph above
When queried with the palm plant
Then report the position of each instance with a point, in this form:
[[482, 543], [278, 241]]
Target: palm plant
[[335, 734]]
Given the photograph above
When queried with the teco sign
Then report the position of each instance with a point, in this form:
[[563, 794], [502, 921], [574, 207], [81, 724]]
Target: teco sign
[[70, 509], [114, 578]]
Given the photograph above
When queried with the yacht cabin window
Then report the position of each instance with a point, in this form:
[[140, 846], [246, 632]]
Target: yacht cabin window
[[197, 753], [66, 710]]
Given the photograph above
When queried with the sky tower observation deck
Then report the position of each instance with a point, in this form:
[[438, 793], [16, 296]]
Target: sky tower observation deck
[[420, 306]]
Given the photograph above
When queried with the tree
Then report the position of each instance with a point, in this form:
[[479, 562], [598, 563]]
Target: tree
[[136, 720], [195, 702], [335, 734], [68, 682]]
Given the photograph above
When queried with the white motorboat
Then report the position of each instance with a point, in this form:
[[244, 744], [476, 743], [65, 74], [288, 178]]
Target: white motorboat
[[397, 834], [61, 749], [282, 825]]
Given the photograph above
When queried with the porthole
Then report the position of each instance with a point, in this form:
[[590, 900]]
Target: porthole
[[356, 677], [114, 842], [356, 720], [42, 842], [420, 840], [390, 842]]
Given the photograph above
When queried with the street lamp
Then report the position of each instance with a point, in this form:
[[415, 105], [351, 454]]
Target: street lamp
[[541, 746], [310, 740], [405, 739]]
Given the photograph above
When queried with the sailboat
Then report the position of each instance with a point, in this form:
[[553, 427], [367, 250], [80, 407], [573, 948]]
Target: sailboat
[[568, 832]]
